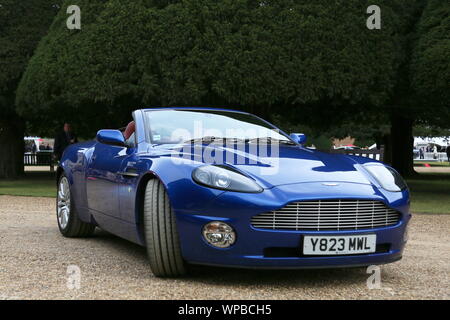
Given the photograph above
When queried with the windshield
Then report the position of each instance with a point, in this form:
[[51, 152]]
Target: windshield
[[183, 126]]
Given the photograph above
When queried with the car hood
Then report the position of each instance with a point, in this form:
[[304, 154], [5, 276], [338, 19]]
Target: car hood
[[290, 165]]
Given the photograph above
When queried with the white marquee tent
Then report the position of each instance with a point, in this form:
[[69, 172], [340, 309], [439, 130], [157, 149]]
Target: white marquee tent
[[424, 141]]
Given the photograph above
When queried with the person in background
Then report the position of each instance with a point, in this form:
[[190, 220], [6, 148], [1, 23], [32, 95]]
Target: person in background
[[448, 152], [63, 140], [421, 153]]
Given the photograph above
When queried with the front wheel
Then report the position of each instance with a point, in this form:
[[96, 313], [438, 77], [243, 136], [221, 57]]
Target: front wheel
[[161, 235], [68, 222]]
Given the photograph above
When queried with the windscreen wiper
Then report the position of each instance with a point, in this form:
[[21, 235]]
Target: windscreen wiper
[[209, 139], [203, 139], [270, 140]]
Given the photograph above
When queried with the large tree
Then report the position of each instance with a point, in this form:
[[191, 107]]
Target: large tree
[[422, 94], [316, 62], [22, 25], [430, 66]]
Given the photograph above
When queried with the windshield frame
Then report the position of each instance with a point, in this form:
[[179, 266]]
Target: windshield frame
[[206, 110]]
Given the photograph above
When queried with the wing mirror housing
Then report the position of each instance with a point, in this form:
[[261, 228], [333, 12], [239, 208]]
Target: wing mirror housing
[[111, 137], [300, 138]]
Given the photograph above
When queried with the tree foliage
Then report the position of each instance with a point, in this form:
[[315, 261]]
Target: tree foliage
[[22, 25], [431, 63], [300, 56]]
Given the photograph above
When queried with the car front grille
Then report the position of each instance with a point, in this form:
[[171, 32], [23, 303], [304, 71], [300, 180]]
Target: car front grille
[[328, 215]]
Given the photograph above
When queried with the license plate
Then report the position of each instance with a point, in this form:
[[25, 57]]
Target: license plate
[[339, 245]]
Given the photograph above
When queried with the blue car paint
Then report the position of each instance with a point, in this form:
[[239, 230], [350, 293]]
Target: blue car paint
[[110, 200]]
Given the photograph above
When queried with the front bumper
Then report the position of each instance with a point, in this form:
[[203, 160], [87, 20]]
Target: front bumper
[[280, 249]]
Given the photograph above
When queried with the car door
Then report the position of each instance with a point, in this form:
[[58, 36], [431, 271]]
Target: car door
[[127, 186], [103, 175]]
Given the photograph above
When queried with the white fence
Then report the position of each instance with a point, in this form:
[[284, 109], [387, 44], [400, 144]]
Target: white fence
[[431, 156], [373, 154]]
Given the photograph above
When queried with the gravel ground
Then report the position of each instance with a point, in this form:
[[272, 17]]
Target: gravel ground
[[34, 258], [432, 169]]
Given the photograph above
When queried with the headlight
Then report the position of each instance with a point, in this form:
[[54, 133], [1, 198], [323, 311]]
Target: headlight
[[388, 178], [224, 179]]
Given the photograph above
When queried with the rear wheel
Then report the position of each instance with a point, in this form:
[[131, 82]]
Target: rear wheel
[[161, 235], [68, 222]]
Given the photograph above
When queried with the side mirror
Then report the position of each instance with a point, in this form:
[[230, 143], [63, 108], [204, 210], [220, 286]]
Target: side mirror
[[300, 138], [111, 137]]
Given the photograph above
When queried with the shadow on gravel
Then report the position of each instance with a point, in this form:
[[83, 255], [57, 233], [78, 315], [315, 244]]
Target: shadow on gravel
[[277, 278], [240, 277], [124, 248]]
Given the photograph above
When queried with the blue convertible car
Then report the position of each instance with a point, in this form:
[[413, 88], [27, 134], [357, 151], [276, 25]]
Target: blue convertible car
[[222, 187]]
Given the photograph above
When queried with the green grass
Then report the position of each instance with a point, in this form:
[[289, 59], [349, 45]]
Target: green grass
[[33, 184], [430, 192]]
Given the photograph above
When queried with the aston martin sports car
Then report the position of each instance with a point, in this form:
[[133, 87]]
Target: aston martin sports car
[[226, 188]]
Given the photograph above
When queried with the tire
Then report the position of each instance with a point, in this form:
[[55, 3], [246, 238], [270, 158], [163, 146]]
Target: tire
[[69, 223], [161, 235]]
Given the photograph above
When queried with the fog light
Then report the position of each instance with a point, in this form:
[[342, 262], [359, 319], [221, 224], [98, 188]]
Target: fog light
[[219, 234]]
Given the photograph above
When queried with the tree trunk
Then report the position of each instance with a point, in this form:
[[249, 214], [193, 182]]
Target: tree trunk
[[11, 147], [402, 144]]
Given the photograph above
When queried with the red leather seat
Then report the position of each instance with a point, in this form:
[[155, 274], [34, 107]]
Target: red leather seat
[[131, 127]]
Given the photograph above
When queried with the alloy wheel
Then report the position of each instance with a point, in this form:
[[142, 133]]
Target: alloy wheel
[[63, 210]]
